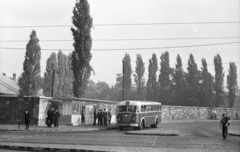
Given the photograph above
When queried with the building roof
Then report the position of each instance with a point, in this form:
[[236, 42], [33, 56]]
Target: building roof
[[8, 86], [85, 99]]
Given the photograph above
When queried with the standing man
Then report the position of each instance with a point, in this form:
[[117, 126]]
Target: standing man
[[51, 116], [98, 117], [101, 117], [56, 118], [94, 116], [224, 123], [109, 116], [105, 117], [27, 118]]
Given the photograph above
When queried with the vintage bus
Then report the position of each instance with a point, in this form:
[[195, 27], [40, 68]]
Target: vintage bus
[[138, 114]]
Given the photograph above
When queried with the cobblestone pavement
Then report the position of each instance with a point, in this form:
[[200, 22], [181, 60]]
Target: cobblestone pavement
[[194, 136]]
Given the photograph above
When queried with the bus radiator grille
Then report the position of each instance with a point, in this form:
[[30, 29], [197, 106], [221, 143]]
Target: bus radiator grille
[[126, 118]]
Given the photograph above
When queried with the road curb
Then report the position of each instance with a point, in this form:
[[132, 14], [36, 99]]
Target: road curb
[[152, 134], [45, 149]]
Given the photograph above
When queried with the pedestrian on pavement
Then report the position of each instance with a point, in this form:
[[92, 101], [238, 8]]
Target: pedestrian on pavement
[[48, 118], [105, 117], [51, 117], [94, 116], [56, 118], [109, 116], [27, 118], [99, 117], [224, 123], [237, 115]]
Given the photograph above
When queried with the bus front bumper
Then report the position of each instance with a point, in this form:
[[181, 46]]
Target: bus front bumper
[[128, 124]]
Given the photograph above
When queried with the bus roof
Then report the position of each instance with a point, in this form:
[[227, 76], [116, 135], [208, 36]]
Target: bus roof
[[139, 103]]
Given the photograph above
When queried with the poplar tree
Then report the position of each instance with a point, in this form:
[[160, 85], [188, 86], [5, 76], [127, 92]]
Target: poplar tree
[[67, 88], [61, 71], [180, 83], [152, 84], [232, 83], [139, 76], [164, 79], [127, 72], [30, 80], [81, 56], [219, 80], [51, 68], [205, 85], [192, 82]]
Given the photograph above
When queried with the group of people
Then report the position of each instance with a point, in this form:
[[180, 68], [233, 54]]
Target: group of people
[[52, 117], [102, 118]]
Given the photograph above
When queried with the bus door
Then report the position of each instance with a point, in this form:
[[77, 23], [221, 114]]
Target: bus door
[[89, 114]]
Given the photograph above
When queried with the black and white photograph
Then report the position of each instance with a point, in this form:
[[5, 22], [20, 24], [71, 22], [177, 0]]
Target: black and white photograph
[[120, 75]]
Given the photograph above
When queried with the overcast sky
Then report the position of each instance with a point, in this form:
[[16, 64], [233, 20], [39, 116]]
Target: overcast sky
[[107, 64]]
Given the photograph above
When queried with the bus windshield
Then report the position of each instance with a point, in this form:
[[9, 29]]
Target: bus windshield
[[127, 108]]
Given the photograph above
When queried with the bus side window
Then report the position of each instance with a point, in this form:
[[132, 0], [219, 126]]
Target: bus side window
[[142, 108], [157, 107]]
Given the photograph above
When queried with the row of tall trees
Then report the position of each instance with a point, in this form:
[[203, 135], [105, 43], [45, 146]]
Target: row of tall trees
[[171, 86], [175, 86], [69, 75]]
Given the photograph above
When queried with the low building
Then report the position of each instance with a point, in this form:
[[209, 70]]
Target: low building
[[12, 108], [73, 111]]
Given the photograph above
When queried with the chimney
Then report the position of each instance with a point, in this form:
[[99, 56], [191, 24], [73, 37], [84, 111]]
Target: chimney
[[4, 74], [14, 76]]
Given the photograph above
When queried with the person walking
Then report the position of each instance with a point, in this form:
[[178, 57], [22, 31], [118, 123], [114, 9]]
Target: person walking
[[56, 118], [94, 116], [224, 123], [109, 116], [27, 118]]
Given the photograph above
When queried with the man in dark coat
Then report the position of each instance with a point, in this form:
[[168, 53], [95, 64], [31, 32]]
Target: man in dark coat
[[224, 123], [94, 116], [56, 118], [98, 117], [50, 117], [109, 116], [27, 118], [105, 117]]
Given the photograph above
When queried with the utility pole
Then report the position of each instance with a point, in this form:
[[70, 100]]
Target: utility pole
[[123, 80], [53, 82]]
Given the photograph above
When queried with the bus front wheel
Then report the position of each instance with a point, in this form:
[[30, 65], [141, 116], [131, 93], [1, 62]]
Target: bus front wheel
[[121, 127], [156, 124], [141, 125]]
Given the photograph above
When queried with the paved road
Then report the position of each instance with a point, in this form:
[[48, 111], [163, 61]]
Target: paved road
[[195, 136]]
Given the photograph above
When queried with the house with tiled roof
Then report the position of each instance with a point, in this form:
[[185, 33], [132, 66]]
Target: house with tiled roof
[[8, 85]]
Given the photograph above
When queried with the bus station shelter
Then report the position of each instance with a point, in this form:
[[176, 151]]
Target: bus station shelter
[[76, 111]]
